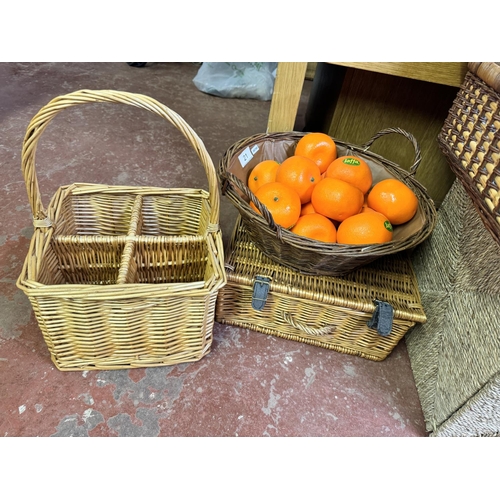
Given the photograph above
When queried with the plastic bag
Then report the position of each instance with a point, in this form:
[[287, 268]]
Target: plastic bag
[[244, 80]]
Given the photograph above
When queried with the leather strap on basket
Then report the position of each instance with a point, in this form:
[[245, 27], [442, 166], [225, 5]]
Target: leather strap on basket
[[49, 111], [259, 298], [382, 318], [396, 130], [260, 292]]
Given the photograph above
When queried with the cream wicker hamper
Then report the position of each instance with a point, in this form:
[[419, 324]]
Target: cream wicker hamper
[[120, 276]]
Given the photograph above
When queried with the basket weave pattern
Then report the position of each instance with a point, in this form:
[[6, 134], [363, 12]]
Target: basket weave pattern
[[122, 276], [325, 311], [455, 356], [470, 140]]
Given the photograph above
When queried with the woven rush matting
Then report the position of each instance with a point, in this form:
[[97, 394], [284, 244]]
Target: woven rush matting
[[455, 356]]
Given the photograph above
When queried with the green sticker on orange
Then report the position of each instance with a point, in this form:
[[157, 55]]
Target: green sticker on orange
[[388, 225], [351, 161]]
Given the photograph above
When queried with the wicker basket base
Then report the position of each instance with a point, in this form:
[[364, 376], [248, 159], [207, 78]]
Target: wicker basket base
[[455, 356], [328, 312]]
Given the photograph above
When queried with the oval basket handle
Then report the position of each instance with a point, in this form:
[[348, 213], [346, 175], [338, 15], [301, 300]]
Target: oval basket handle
[[325, 330], [40, 121], [236, 182], [410, 137]]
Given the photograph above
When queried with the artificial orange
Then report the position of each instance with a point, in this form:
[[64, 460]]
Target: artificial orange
[[263, 173], [301, 174], [282, 201], [336, 199], [307, 208], [394, 199], [319, 147], [353, 170], [317, 227], [366, 228]]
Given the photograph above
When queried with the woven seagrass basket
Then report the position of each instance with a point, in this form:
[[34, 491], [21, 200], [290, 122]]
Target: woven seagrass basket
[[470, 140], [455, 356], [120, 276], [343, 314], [303, 254]]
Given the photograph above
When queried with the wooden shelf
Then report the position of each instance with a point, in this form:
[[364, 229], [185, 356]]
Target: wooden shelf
[[444, 73]]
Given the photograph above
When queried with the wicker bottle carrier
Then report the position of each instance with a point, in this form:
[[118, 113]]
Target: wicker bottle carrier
[[470, 140], [303, 254], [120, 276]]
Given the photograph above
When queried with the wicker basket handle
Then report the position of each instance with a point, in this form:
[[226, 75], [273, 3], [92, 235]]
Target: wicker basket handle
[[395, 130], [325, 330], [49, 111], [235, 181]]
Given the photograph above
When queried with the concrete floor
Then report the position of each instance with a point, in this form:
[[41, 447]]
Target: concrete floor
[[250, 384]]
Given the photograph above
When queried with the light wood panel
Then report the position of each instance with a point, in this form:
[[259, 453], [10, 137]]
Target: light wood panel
[[369, 102], [286, 96], [444, 73], [311, 70]]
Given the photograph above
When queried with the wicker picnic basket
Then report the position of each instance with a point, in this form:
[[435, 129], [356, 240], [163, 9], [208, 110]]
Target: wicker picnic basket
[[365, 313], [470, 140], [119, 276], [303, 254]]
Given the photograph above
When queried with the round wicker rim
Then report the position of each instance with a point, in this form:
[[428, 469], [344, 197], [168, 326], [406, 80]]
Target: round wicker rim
[[231, 184], [40, 121]]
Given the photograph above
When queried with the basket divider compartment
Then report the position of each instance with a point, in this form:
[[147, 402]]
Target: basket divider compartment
[[128, 267], [170, 259], [88, 259]]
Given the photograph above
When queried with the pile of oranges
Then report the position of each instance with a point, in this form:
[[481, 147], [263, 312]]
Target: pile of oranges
[[317, 194]]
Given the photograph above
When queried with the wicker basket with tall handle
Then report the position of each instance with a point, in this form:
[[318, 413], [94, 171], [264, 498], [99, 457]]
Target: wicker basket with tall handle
[[121, 276]]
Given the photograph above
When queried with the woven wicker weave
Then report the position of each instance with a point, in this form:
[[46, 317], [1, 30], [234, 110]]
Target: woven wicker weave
[[470, 140], [120, 276], [303, 254], [328, 312], [455, 356]]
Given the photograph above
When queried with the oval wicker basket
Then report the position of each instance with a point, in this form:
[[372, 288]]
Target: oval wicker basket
[[303, 254]]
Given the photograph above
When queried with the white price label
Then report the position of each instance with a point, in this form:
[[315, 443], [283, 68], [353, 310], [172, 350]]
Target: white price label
[[255, 148], [245, 156]]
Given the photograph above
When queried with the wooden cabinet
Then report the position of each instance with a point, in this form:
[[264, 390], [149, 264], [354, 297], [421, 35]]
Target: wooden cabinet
[[354, 101]]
